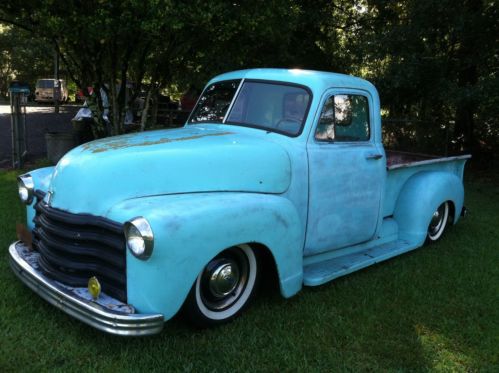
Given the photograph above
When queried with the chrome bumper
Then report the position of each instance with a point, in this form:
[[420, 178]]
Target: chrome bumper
[[113, 322]]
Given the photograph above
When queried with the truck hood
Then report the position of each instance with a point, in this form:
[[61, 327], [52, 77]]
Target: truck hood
[[95, 176]]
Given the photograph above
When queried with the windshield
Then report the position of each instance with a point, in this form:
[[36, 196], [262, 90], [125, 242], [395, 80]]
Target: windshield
[[272, 106], [45, 83], [214, 102]]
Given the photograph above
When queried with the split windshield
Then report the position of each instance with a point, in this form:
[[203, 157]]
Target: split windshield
[[276, 107]]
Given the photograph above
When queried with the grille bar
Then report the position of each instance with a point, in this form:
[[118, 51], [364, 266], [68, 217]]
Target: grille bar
[[77, 233], [90, 268], [77, 219], [75, 247], [79, 280], [94, 251]]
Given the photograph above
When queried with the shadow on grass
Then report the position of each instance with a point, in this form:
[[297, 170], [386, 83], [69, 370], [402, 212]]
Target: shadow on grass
[[432, 309]]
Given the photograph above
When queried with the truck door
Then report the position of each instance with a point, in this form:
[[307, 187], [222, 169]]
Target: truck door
[[346, 173]]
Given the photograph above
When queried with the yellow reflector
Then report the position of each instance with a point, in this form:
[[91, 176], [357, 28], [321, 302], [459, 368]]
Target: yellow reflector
[[94, 287]]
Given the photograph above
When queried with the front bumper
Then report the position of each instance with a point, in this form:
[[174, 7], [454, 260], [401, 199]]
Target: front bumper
[[97, 315]]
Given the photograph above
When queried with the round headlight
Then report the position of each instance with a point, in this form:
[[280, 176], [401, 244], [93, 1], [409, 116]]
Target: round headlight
[[26, 188], [139, 237]]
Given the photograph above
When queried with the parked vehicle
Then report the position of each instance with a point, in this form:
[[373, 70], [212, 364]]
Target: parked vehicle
[[80, 96], [44, 90], [284, 165]]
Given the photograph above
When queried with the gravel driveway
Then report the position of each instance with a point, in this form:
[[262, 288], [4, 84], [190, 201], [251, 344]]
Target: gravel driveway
[[40, 119]]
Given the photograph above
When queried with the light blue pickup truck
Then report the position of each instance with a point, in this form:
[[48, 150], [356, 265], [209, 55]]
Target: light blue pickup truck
[[275, 170]]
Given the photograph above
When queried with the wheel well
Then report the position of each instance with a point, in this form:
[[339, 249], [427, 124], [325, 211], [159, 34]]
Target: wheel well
[[269, 275]]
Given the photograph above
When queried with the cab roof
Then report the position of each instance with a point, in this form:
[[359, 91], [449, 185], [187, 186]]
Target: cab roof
[[315, 80]]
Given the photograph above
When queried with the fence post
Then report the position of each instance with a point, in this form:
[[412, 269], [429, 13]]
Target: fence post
[[18, 93]]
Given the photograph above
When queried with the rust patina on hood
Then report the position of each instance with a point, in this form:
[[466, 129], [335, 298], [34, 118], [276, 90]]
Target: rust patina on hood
[[96, 175]]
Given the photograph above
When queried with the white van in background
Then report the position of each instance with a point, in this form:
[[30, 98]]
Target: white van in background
[[44, 90]]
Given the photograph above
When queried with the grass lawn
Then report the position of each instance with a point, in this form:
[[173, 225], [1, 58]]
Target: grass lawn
[[436, 308]]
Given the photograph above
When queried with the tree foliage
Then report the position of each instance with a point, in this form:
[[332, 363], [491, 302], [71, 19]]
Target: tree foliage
[[22, 57], [433, 61]]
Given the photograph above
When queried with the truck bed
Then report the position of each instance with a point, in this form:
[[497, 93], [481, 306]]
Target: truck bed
[[402, 165], [398, 159]]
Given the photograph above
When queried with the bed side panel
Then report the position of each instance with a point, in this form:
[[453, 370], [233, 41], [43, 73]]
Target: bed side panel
[[396, 179]]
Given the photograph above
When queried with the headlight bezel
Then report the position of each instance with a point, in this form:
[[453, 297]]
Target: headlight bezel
[[136, 230], [25, 182]]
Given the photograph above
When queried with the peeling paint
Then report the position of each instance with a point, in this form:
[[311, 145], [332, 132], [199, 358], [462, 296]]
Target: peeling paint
[[211, 164], [122, 144]]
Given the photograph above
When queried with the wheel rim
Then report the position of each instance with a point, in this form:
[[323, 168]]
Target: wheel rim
[[224, 280], [438, 221]]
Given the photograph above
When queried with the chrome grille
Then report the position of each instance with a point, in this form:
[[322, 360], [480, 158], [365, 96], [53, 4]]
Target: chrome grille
[[75, 247]]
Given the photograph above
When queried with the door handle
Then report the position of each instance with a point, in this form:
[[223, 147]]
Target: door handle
[[374, 156]]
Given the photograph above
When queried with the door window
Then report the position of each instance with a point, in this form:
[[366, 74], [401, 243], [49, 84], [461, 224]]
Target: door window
[[344, 118]]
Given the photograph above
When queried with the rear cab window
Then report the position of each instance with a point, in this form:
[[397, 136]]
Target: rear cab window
[[344, 118]]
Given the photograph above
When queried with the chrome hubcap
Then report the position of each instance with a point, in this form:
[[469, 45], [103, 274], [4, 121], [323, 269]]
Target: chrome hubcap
[[224, 278], [437, 220]]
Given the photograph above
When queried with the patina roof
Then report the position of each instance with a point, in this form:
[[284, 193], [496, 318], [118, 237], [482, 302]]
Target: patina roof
[[316, 80]]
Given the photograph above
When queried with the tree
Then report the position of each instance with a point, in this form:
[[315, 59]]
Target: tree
[[432, 60], [22, 57], [103, 43]]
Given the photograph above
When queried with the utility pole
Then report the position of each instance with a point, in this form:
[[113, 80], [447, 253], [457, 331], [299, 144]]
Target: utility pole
[[57, 87]]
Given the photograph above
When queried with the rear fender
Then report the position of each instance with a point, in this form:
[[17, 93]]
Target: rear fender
[[420, 197], [190, 229]]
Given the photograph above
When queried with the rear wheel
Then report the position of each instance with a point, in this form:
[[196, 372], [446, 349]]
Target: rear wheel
[[224, 287], [438, 223]]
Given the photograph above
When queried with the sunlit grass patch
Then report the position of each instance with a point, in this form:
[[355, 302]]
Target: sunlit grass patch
[[436, 308]]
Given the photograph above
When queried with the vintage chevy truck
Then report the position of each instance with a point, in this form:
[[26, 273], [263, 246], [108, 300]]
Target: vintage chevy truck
[[286, 165]]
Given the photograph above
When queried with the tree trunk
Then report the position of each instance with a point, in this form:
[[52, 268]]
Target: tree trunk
[[94, 102], [467, 78], [145, 111], [115, 109], [466, 109]]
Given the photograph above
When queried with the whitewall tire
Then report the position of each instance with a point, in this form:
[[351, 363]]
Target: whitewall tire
[[438, 223], [224, 287]]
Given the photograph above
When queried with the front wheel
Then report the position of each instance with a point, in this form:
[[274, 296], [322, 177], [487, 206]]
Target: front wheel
[[223, 288], [438, 223]]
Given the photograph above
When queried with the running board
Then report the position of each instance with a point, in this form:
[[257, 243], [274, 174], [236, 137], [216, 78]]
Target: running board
[[322, 272]]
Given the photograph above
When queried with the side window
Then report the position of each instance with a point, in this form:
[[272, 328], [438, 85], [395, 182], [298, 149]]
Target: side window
[[344, 118]]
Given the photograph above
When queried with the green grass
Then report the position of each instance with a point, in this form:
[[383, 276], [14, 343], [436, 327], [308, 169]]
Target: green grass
[[433, 309]]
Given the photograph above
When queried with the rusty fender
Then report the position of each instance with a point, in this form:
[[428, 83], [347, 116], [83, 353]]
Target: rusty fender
[[190, 229]]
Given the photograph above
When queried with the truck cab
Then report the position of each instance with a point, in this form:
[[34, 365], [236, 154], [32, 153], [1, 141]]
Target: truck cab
[[275, 166]]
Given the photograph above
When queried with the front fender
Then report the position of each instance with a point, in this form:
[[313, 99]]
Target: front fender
[[190, 229], [41, 179], [420, 197]]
